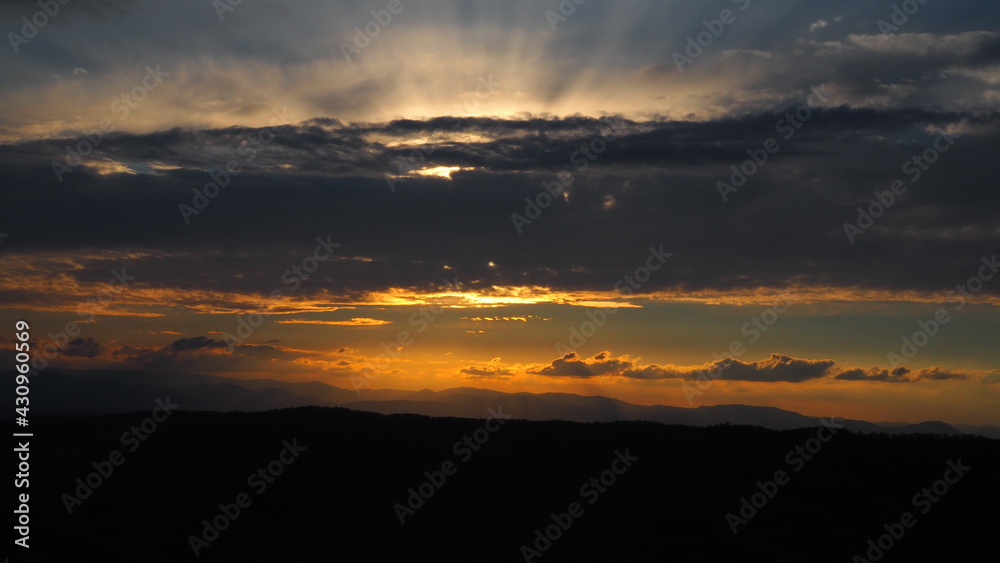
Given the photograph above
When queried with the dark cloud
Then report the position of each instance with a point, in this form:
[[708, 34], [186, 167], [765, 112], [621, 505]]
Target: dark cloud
[[572, 365], [777, 367], [196, 355], [901, 375], [939, 374], [195, 343], [487, 371], [83, 348], [661, 176], [896, 375]]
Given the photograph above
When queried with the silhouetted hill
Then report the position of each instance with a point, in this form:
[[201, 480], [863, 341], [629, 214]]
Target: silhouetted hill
[[989, 431], [103, 393], [68, 393], [335, 502]]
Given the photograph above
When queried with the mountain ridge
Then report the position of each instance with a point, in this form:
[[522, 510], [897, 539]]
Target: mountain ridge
[[82, 393]]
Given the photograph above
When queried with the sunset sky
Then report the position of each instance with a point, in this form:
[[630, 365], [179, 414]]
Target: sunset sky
[[269, 189]]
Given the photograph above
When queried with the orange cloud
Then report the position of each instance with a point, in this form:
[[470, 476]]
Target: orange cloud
[[357, 321]]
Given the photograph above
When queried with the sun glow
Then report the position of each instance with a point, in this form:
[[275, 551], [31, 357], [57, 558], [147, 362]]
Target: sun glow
[[439, 171]]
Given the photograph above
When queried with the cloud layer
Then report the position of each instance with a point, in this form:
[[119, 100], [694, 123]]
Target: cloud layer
[[776, 368]]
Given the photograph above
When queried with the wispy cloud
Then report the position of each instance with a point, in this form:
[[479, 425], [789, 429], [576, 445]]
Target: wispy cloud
[[358, 321]]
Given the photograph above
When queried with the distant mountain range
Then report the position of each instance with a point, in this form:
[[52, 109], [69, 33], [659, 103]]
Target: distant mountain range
[[106, 392]]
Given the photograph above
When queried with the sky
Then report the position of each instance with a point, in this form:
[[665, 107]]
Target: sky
[[685, 203]]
